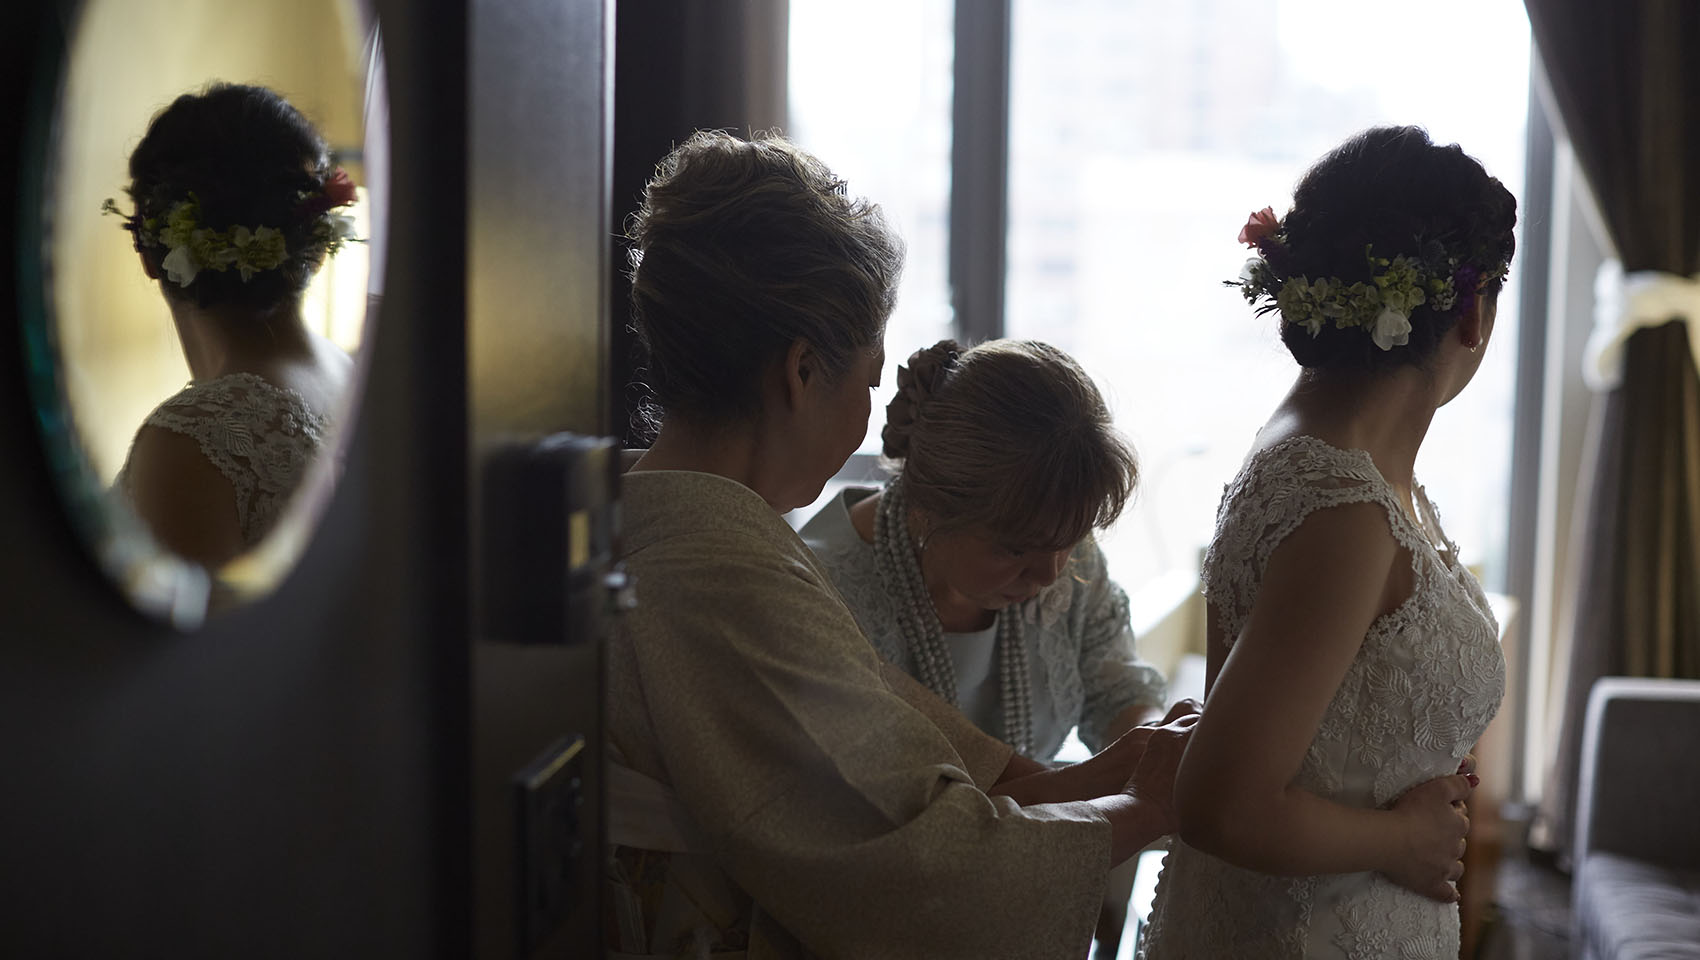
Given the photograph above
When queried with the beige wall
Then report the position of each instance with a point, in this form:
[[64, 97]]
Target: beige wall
[[131, 58]]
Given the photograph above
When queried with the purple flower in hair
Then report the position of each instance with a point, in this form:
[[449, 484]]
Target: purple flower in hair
[[1466, 279]]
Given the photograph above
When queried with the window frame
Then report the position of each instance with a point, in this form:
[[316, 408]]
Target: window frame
[[979, 168], [1527, 413]]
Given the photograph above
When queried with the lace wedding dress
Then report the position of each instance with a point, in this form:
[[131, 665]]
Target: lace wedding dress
[[1424, 685], [261, 437]]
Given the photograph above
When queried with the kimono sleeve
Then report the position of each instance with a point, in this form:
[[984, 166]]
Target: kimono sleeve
[[840, 808], [984, 756]]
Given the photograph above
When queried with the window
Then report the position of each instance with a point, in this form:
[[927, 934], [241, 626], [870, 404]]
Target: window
[[870, 94], [334, 303], [1140, 135], [1143, 133]]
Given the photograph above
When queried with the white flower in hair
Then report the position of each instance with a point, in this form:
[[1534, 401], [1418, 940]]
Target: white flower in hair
[[179, 266], [1391, 329]]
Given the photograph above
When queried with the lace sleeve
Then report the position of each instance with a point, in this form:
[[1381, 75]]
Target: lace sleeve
[[1113, 675], [1272, 496], [260, 437], [850, 563]]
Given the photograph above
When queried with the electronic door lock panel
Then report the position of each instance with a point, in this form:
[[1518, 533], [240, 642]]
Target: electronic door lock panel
[[549, 523]]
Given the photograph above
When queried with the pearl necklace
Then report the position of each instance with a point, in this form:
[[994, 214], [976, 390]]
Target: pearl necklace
[[918, 622]]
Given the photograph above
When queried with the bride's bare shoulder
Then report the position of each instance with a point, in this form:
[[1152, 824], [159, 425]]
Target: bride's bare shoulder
[[1287, 425]]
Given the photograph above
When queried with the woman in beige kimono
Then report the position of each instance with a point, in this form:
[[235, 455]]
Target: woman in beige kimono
[[777, 791]]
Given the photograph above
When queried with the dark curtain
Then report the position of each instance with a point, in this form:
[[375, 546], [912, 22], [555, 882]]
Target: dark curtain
[[1627, 87], [1627, 84]]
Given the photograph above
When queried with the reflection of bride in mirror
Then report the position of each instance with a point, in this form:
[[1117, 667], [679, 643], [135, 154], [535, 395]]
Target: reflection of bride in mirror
[[235, 210]]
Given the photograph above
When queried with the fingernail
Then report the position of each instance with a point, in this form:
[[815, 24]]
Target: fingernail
[[1474, 780]]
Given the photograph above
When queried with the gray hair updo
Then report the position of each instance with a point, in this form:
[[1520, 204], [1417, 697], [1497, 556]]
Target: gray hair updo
[[739, 249]]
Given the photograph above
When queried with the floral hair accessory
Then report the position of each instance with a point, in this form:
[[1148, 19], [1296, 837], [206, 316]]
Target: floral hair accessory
[[338, 191], [1260, 227], [192, 247], [1381, 305]]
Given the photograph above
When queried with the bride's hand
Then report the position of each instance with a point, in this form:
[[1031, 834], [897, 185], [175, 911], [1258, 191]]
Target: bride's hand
[[1467, 767], [1433, 821]]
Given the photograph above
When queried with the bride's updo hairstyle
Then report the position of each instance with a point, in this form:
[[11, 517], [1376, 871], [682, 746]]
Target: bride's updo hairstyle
[[1392, 189], [1011, 438], [247, 158], [739, 249]]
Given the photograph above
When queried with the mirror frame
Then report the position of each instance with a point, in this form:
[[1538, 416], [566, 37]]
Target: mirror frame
[[155, 581]]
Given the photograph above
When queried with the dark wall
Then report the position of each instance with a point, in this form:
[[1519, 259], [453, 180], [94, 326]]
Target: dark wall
[[289, 781], [538, 337], [680, 66]]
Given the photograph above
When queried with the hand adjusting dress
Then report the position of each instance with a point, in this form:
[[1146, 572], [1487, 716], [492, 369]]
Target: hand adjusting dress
[[1425, 684], [810, 811]]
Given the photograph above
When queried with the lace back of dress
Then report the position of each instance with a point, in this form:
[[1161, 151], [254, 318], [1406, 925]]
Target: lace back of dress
[[1423, 686], [260, 437], [1280, 487]]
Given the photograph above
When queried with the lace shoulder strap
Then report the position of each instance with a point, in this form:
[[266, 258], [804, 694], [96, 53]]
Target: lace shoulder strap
[[1431, 520], [1274, 492], [261, 437]]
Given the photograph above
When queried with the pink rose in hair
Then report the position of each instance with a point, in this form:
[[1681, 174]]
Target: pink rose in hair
[[337, 191], [1260, 227]]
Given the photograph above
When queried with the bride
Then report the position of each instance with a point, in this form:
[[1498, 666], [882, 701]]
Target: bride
[[236, 202], [1353, 661]]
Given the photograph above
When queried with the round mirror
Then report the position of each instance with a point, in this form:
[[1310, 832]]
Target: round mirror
[[212, 199]]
